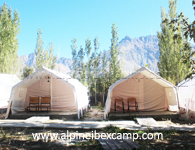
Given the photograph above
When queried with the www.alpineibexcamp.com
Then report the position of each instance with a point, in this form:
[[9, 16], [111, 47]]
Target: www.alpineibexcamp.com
[[95, 135]]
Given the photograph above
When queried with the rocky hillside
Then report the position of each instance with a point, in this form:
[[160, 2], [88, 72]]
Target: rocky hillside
[[135, 53]]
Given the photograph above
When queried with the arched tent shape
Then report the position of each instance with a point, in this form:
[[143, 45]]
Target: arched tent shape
[[151, 91], [66, 94], [186, 94], [7, 81]]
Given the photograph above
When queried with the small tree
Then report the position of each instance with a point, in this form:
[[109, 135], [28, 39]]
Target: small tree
[[170, 47], [104, 74], [74, 58], [88, 64], [81, 65], [27, 71], [114, 65], [181, 22], [44, 58], [39, 51], [96, 62], [90, 73], [50, 59], [9, 30]]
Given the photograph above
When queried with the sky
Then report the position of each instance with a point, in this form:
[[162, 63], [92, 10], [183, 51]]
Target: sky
[[63, 20]]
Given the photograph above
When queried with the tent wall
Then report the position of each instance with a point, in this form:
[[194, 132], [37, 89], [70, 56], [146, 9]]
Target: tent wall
[[183, 96], [17, 98], [62, 94], [41, 88], [7, 81], [149, 94], [155, 97], [5, 94], [186, 94], [171, 96], [126, 89], [82, 97]]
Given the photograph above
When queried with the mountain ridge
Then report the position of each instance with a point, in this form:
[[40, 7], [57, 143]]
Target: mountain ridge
[[134, 53]]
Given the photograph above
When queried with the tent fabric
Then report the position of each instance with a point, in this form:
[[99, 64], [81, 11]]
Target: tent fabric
[[7, 81], [60, 93], [186, 94], [150, 90], [66, 94]]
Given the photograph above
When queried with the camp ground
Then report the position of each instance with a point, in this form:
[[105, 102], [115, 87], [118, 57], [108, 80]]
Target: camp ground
[[141, 93], [50, 93], [186, 93], [7, 81]]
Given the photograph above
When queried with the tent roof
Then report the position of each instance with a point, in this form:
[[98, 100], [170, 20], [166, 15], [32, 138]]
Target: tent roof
[[41, 73], [187, 82], [8, 80], [148, 73]]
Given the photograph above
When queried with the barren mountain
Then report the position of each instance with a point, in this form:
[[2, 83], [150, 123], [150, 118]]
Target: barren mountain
[[135, 53]]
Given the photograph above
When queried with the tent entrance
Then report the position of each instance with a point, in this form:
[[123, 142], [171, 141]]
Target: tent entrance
[[62, 96], [150, 95]]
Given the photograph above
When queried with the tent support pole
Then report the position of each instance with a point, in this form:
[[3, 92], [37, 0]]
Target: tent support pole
[[51, 91], [139, 94]]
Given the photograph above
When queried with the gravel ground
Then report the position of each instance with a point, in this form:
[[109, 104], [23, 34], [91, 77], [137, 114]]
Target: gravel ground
[[2, 116]]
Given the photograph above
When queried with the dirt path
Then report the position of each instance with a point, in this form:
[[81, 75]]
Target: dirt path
[[94, 114]]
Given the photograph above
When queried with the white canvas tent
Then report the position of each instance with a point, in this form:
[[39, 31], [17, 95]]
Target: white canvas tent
[[7, 81], [66, 94], [152, 92], [186, 94]]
